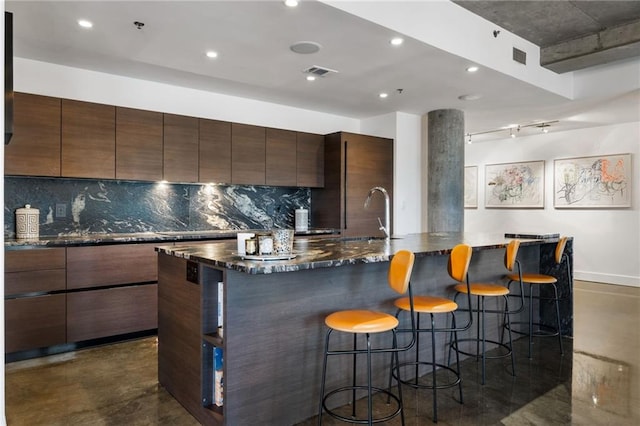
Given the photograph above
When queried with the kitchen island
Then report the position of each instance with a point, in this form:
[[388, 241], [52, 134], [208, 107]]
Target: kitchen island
[[274, 313]]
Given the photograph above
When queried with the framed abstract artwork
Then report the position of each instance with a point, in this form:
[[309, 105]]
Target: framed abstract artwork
[[471, 187], [514, 185], [602, 181]]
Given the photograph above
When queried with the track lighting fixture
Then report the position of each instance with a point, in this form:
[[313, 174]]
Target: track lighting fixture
[[514, 130], [544, 127]]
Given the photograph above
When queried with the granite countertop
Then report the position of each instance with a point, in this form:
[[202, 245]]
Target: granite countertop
[[141, 237], [323, 253]]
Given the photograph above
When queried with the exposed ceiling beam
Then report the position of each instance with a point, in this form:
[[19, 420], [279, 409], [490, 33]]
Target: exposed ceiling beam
[[611, 44]]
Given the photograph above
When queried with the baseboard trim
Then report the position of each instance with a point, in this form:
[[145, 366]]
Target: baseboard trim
[[626, 280]]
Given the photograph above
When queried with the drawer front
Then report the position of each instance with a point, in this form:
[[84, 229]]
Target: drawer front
[[100, 313], [34, 322], [97, 266], [34, 260], [34, 281]]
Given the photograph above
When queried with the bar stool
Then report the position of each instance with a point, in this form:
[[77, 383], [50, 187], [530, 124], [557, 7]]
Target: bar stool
[[458, 266], [367, 322], [540, 280], [482, 291]]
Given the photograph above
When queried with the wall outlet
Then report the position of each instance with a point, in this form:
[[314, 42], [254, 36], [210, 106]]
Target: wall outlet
[[61, 210]]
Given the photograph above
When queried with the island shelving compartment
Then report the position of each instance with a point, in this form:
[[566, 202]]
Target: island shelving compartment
[[188, 335]]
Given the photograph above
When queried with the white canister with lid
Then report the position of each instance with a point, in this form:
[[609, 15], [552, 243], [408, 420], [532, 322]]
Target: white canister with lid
[[27, 223], [302, 220]]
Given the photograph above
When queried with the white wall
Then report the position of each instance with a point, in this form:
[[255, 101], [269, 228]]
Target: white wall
[[48, 79], [606, 241], [405, 130]]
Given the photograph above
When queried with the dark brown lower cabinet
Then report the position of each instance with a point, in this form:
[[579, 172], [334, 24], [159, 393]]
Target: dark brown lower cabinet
[[34, 322], [100, 313]]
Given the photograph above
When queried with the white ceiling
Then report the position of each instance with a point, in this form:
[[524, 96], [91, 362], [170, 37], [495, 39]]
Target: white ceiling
[[253, 39]]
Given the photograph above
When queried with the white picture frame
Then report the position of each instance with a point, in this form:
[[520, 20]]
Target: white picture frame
[[515, 185], [471, 187], [595, 182]]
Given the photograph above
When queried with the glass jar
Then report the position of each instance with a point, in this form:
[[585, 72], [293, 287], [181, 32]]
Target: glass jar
[[265, 244], [251, 246]]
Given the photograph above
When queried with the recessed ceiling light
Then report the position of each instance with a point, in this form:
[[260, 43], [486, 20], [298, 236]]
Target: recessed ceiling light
[[84, 23], [383, 95], [311, 77], [212, 54], [397, 41], [472, 68], [291, 3]]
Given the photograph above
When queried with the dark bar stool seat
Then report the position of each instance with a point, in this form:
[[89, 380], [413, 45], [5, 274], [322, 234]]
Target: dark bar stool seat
[[537, 329], [365, 323], [458, 266]]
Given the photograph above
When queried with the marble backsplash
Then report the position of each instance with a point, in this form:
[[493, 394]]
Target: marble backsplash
[[110, 206]]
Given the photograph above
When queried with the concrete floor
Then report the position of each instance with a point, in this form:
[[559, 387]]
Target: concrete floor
[[596, 382]]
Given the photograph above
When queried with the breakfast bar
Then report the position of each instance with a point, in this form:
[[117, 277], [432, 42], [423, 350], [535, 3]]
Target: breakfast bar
[[272, 314]]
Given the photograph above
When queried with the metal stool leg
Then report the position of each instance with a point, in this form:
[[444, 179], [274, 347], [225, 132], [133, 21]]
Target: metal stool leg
[[484, 340], [433, 369], [506, 310], [557, 302], [353, 379], [369, 390], [455, 337], [324, 376], [478, 331], [530, 320], [395, 342]]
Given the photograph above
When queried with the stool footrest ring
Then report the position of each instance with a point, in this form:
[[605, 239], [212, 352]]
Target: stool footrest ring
[[549, 331], [477, 355], [414, 382], [356, 420]]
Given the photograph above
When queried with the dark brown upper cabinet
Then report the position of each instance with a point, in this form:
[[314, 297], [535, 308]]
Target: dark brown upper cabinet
[[67, 138], [248, 153], [215, 151], [281, 154], [138, 144], [180, 148], [88, 140], [35, 147], [310, 160]]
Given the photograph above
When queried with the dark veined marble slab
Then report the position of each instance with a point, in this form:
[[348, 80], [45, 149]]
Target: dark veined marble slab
[[140, 237], [126, 207], [334, 252]]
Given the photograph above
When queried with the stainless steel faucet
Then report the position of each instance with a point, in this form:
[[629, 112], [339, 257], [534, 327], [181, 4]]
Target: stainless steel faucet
[[387, 225]]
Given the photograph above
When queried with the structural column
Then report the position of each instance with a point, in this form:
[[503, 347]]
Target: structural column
[[445, 171]]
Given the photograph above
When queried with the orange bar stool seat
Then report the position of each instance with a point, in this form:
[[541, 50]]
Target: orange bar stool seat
[[537, 329], [483, 291], [364, 322], [458, 266]]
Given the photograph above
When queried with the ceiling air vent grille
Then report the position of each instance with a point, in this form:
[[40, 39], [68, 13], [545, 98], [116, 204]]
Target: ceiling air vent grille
[[519, 56], [318, 71]]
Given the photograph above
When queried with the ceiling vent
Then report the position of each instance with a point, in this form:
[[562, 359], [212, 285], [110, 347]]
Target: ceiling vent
[[520, 56], [318, 71]]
